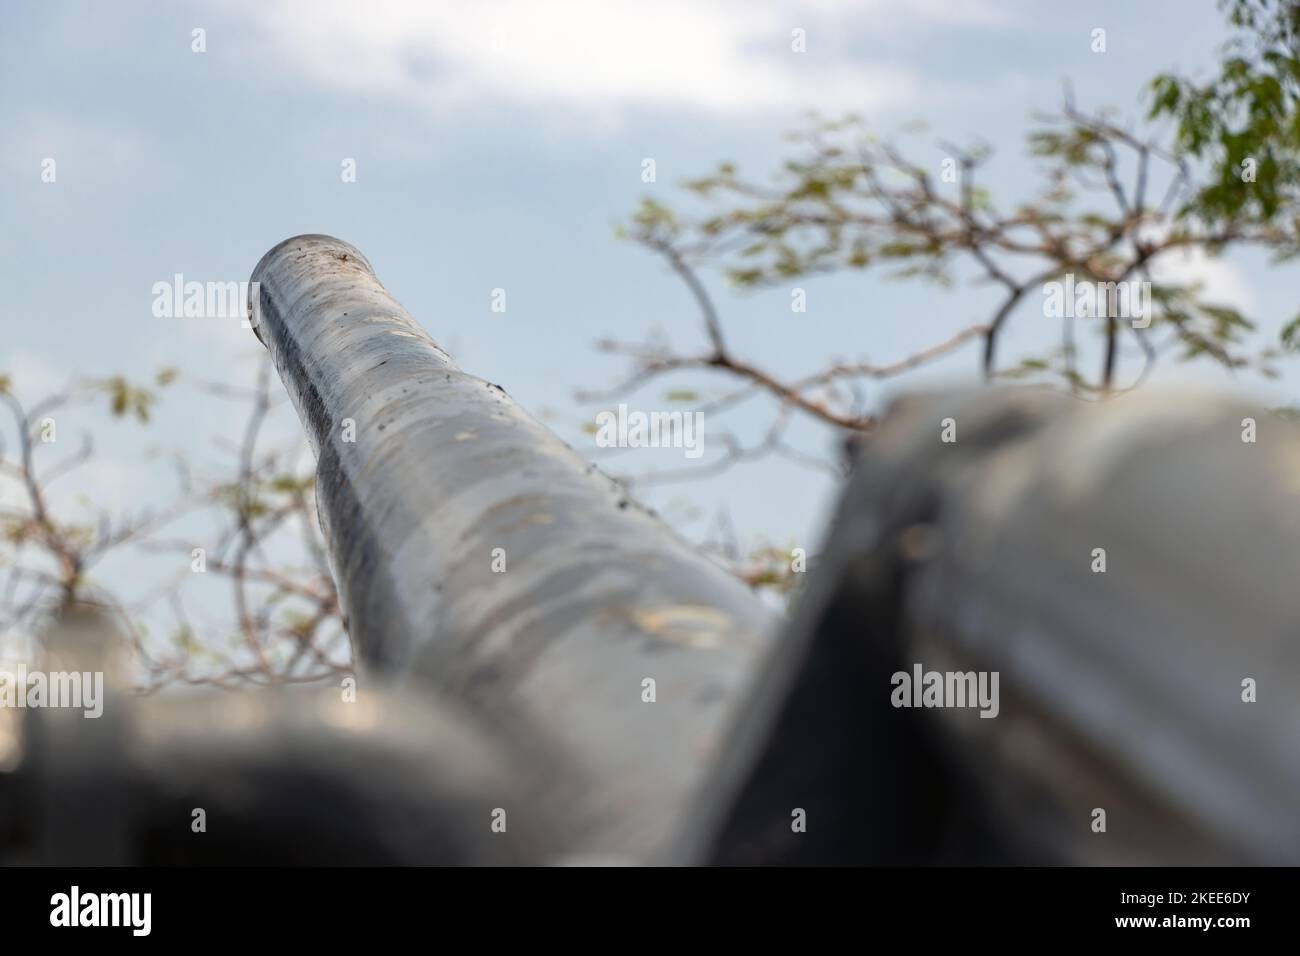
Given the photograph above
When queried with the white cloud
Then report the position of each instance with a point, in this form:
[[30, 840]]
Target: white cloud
[[1221, 282], [723, 57]]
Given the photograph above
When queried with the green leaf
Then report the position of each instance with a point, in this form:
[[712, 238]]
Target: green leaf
[[1291, 335]]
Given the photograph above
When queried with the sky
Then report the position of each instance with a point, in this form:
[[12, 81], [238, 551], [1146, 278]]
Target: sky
[[497, 145]]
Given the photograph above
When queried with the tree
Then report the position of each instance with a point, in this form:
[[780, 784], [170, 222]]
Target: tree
[[1244, 123], [287, 626], [1114, 203], [1243, 126]]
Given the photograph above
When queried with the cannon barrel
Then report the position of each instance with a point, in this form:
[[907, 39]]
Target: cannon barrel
[[476, 552]]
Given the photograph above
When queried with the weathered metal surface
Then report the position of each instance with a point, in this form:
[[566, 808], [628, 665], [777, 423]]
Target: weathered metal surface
[[1120, 690], [426, 476]]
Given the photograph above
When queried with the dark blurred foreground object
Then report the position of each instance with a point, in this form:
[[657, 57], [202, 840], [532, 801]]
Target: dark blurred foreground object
[[1123, 691], [277, 777], [517, 698]]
